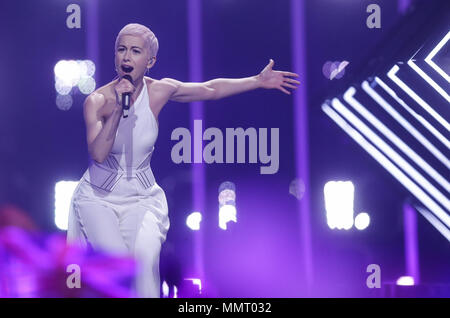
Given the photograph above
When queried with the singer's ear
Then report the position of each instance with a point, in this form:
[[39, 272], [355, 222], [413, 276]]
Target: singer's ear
[[151, 62]]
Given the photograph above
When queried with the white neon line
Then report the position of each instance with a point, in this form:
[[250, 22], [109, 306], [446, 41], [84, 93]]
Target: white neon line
[[414, 156], [429, 80], [429, 58], [435, 222], [392, 75], [411, 128], [387, 164], [382, 145]]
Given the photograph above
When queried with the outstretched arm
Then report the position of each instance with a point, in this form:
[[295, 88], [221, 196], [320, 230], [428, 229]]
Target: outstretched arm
[[223, 87]]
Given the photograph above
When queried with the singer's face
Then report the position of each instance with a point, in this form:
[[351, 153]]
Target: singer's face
[[131, 56]]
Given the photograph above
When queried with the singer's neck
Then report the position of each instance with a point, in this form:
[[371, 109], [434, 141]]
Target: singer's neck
[[139, 85]]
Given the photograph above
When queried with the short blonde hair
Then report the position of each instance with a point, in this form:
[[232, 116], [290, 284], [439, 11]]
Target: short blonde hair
[[151, 42]]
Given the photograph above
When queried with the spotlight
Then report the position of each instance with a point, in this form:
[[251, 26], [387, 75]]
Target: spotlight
[[227, 213], [227, 204], [165, 289], [193, 221], [339, 204], [63, 195], [405, 281]]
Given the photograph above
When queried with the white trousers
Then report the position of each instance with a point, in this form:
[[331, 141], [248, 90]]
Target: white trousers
[[129, 220]]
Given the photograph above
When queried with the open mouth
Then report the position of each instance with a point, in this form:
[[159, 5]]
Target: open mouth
[[127, 69]]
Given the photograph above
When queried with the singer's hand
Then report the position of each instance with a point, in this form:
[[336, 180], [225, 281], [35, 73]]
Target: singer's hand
[[123, 86]]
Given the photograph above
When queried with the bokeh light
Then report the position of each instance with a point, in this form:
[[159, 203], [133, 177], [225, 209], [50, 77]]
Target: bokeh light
[[193, 221], [334, 70], [86, 85], [62, 87], [297, 188], [362, 221], [64, 102], [70, 73]]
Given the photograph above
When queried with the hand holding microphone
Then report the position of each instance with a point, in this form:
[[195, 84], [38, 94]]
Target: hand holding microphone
[[123, 90]]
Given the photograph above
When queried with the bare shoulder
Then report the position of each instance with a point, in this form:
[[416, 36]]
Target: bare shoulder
[[164, 85], [101, 96], [95, 100], [99, 103]]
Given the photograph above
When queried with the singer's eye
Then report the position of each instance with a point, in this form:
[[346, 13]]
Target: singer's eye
[[136, 51], [120, 49]]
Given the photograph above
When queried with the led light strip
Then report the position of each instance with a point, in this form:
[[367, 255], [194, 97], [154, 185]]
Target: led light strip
[[383, 146], [405, 148], [435, 222], [385, 162], [429, 58], [429, 80], [411, 128], [392, 75]]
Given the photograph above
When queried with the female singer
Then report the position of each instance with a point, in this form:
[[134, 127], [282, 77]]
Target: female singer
[[118, 206]]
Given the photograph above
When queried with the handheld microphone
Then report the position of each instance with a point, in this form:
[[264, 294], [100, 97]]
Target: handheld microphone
[[126, 97]]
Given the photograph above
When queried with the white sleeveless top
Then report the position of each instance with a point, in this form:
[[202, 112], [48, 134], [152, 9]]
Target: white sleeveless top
[[136, 134], [124, 179], [132, 150]]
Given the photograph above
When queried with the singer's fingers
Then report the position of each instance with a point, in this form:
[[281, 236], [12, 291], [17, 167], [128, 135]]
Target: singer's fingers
[[126, 88], [127, 85]]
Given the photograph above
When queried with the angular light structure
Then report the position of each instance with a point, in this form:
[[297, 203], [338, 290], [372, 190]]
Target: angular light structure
[[401, 115], [392, 74], [429, 58]]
